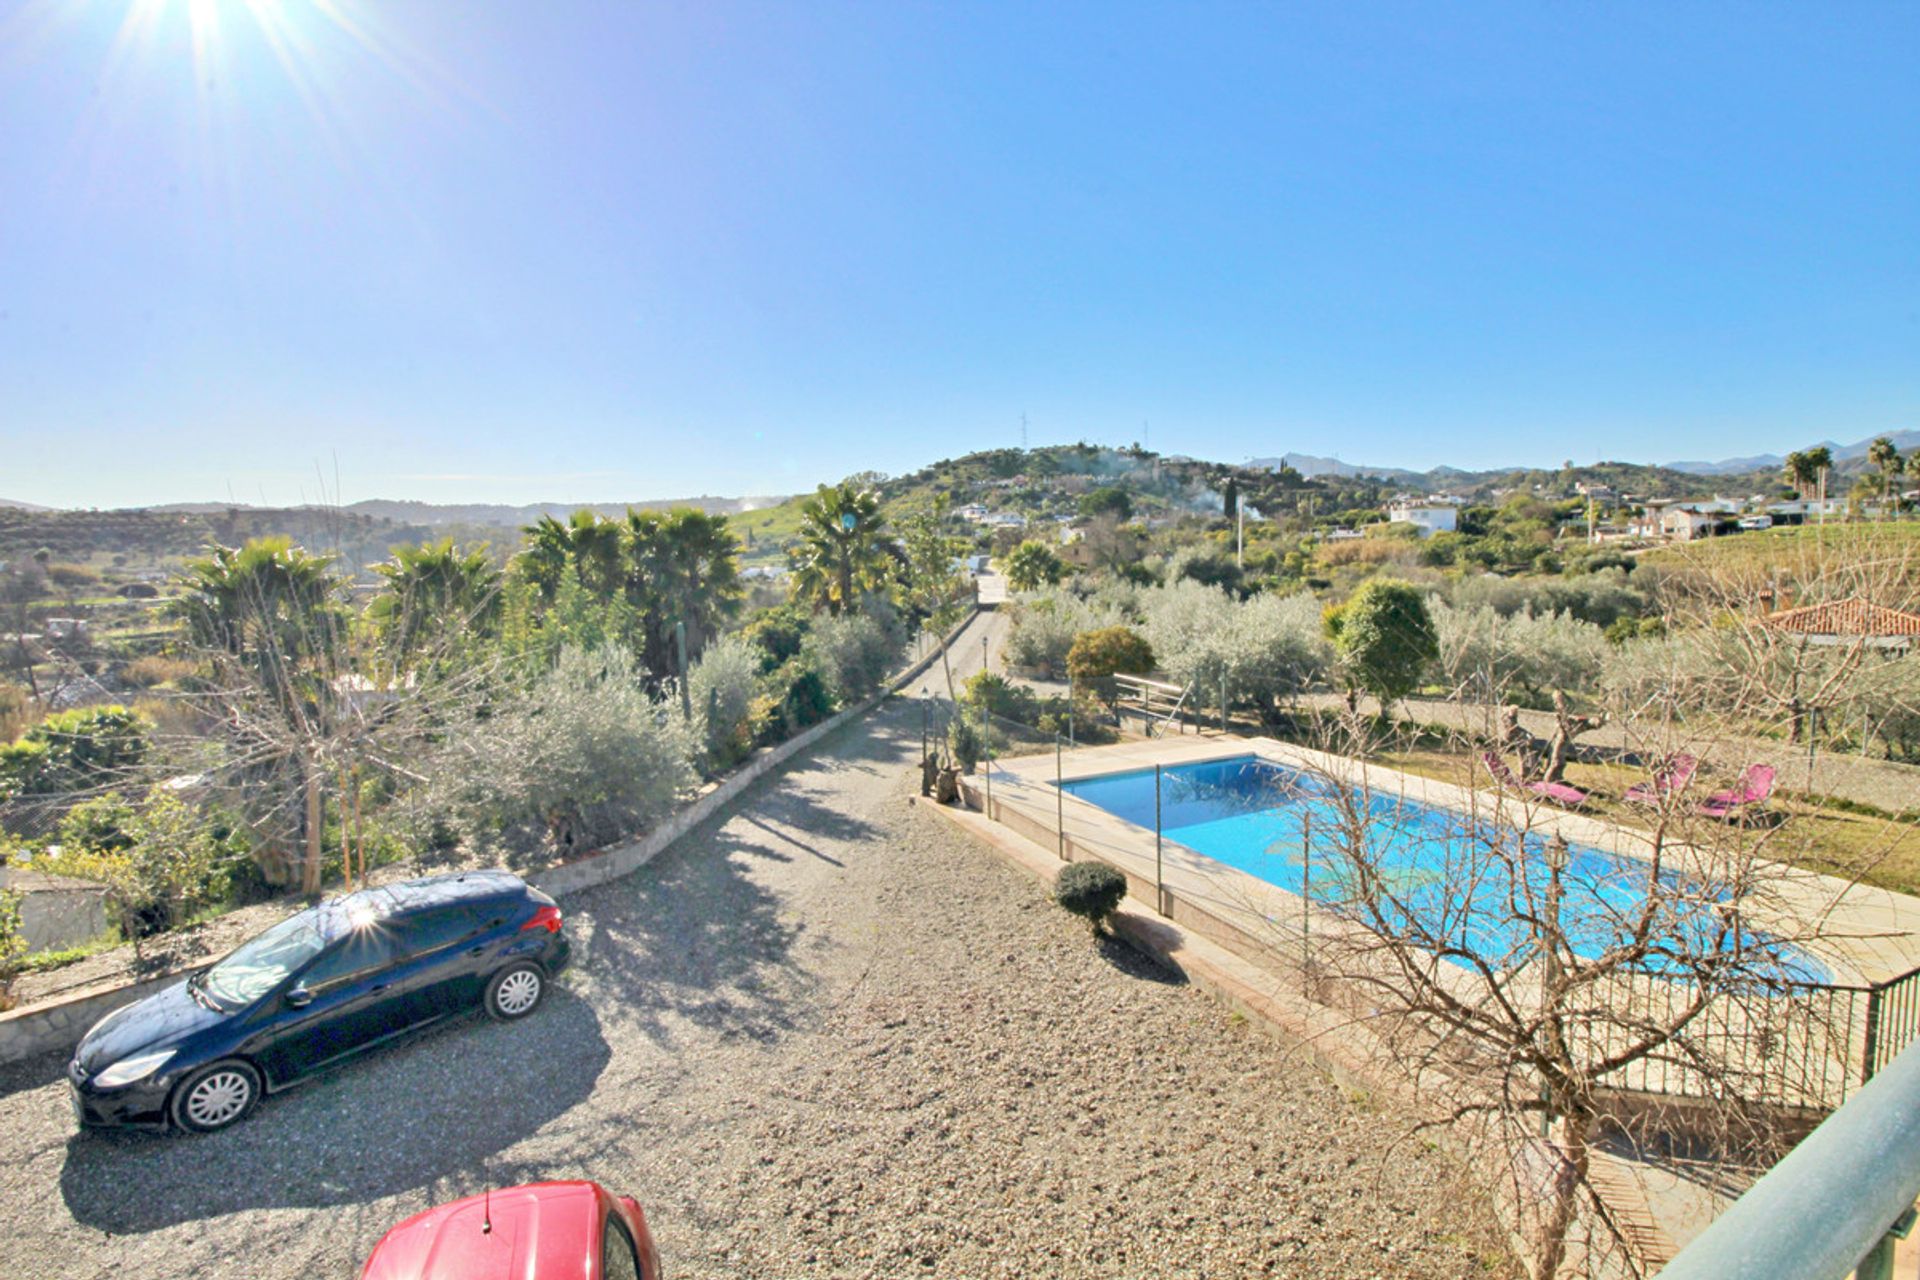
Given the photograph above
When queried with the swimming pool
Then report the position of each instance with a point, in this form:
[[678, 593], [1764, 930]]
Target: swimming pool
[[1261, 818]]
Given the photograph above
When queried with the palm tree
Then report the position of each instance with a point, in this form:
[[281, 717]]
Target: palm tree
[[682, 566], [1799, 472], [844, 551], [434, 587], [1033, 565], [1806, 468], [1885, 457], [273, 615], [592, 545]]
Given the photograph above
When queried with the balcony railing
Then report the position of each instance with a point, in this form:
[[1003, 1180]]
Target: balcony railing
[[1837, 1202]]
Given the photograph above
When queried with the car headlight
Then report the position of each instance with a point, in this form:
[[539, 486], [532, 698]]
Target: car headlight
[[127, 1070]]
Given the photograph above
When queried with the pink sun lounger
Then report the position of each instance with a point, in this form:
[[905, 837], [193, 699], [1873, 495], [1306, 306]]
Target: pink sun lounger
[[1755, 785], [1557, 792]]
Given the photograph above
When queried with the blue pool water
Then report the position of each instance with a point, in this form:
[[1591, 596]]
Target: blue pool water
[[1259, 817]]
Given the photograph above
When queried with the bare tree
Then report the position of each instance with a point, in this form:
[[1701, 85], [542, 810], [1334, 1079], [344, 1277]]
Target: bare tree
[[308, 697]]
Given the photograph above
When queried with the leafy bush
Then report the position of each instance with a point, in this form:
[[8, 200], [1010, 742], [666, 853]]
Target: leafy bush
[[16, 711], [74, 750], [1599, 597], [803, 699], [1000, 697], [161, 860], [779, 632], [583, 758], [1267, 648], [963, 739], [1044, 626], [853, 652], [73, 575], [103, 824], [1096, 655], [1889, 697], [723, 686], [13, 944], [1091, 890]]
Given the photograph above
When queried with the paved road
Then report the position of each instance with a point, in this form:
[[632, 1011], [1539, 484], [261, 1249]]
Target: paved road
[[825, 1035]]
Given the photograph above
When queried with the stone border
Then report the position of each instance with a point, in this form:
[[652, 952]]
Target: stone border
[[58, 1024]]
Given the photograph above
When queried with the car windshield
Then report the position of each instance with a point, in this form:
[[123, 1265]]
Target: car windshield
[[261, 964]]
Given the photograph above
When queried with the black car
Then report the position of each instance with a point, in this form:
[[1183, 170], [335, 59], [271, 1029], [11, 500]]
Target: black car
[[317, 987]]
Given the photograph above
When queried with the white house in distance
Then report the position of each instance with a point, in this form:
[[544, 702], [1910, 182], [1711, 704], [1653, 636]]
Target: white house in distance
[[1429, 517]]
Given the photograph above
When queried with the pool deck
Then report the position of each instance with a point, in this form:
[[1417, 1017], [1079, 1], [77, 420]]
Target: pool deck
[[1867, 934]]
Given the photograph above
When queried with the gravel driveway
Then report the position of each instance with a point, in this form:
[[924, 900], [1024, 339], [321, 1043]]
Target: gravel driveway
[[824, 1035]]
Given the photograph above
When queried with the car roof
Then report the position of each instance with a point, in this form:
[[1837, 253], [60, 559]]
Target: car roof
[[541, 1229], [408, 896]]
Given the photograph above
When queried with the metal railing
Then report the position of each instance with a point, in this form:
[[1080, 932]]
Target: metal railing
[[1835, 1204]]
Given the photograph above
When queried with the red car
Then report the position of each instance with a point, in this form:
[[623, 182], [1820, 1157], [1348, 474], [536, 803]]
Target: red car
[[576, 1230]]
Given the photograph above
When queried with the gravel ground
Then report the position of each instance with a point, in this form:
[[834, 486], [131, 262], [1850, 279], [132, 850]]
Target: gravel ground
[[825, 1035]]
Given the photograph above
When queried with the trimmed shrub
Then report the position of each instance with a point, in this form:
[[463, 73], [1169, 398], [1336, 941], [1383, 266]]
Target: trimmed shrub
[[1090, 890]]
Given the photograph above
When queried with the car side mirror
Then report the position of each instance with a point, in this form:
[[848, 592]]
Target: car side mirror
[[299, 998]]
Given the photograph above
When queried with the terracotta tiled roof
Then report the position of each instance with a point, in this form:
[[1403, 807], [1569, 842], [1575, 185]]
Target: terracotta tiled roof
[[1853, 617]]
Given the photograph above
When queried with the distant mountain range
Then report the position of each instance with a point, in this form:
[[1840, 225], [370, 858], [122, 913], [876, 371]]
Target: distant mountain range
[[1904, 440], [1312, 466], [466, 513]]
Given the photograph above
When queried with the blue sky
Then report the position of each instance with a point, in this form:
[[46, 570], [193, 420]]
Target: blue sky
[[546, 251]]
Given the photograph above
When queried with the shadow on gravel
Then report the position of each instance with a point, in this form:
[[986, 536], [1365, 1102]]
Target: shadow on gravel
[[437, 1104], [32, 1073], [1135, 963], [695, 938]]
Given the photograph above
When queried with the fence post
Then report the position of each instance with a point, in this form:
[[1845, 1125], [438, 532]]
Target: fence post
[[1059, 801], [1306, 885], [1159, 880], [1873, 1032], [986, 749], [1069, 708]]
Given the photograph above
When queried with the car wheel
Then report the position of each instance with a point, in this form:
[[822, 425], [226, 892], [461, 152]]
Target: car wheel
[[516, 991], [215, 1096]]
